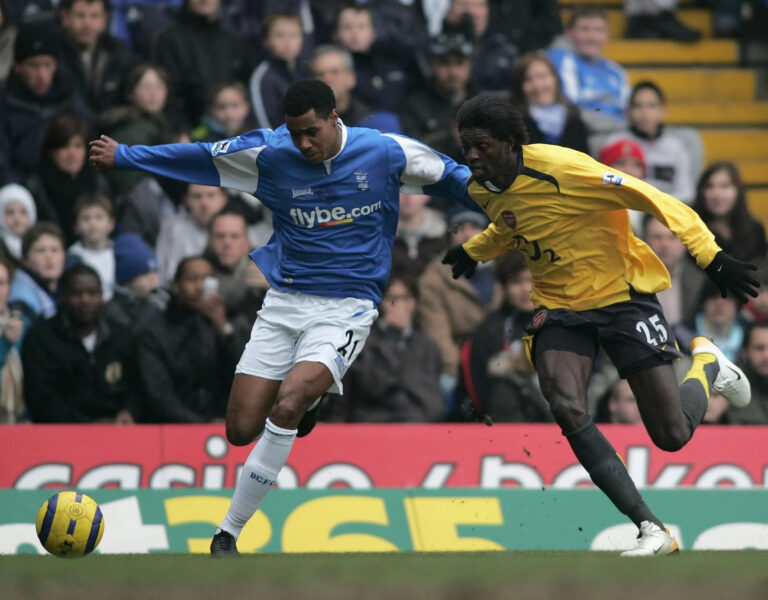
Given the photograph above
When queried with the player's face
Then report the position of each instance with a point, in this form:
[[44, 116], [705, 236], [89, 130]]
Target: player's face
[[646, 112], [757, 351], [720, 193], [46, 257], [588, 36], [317, 139], [81, 300], [489, 159], [85, 22], [70, 158], [229, 239], [540, 84], [37, 73]]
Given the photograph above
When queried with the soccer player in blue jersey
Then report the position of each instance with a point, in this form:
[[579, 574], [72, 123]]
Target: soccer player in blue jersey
[[334, 195]]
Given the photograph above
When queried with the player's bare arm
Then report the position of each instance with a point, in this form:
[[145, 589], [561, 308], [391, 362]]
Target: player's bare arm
[[102, 152]]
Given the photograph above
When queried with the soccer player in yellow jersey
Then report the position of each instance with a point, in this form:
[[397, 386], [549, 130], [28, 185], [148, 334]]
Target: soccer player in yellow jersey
[[594, 284]]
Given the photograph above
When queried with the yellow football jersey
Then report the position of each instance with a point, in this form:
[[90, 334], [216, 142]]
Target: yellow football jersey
[[567, 213]]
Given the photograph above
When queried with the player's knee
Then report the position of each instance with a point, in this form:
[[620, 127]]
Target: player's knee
[[292, 403], [671, 439], [240, 434], [569, 410]]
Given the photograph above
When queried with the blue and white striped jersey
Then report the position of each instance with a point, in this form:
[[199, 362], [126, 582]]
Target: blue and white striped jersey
[[335, 221]]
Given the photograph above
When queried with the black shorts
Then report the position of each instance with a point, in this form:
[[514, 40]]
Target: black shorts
[[634, 333]]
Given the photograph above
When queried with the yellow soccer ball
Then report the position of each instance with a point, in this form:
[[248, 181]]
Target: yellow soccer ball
[[70, 524]]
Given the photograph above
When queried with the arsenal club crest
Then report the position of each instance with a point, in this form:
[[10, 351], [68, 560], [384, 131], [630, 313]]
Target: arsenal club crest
[[509, 218], [539, 318]]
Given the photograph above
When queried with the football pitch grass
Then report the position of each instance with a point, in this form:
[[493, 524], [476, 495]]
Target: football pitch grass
[[741, 575]]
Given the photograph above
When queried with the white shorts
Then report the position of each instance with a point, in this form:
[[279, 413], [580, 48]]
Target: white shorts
[[292, 327]]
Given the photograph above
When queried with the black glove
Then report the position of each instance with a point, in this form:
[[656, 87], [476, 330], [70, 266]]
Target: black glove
[[730, 275], [460, 261]]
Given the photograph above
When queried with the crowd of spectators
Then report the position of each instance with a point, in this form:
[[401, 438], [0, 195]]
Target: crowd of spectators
[[128, 298]]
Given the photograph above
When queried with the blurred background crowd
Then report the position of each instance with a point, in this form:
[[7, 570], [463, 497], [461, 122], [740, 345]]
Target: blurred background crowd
[[128, 298]]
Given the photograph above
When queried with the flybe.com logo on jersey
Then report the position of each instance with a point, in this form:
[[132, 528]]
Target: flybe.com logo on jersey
[[326, 217]]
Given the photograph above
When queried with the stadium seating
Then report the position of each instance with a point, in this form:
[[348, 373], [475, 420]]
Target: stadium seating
[[706, 88]]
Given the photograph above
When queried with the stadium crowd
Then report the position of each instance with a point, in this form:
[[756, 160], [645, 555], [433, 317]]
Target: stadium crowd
[[128, 298]]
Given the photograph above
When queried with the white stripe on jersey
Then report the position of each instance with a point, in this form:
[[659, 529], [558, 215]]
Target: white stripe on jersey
[[423, 166], [238, 170]]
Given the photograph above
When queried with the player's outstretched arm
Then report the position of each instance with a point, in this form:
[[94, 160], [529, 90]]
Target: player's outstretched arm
[[102, 152], [732, 275], [193, 162]]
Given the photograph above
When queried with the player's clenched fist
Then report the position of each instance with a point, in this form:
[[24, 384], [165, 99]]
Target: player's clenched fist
[[102, 152], [461, 263]]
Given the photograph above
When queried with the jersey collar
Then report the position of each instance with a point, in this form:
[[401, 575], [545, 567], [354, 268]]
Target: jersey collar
[[327, 161]]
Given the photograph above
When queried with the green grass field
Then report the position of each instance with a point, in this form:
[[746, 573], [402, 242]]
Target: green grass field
[[479, 576]]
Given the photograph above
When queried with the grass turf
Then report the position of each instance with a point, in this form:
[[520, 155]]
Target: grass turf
[[541, 575]]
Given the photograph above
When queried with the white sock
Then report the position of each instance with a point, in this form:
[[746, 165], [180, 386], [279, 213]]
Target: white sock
[[259, 475]]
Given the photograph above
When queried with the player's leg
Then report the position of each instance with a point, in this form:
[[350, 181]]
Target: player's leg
[[267, 360], [563, 376], [670, 412], [304, 383], [250, 402], [320, 355]]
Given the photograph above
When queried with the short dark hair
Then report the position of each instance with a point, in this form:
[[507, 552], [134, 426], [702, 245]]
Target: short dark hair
[[62, 129], [6, 262], [37, 231], [308, 94], [68, 276], [647, 85], [353, 6], [220, 86], [586, 12], [270, 21], [748, 334], [227, 212], [67, 4], [90, 199], [508, 265], [182, 266], [136, 74], [502, 120]]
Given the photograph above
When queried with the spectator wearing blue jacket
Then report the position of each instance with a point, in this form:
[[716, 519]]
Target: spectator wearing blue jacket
[[598, 86]]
